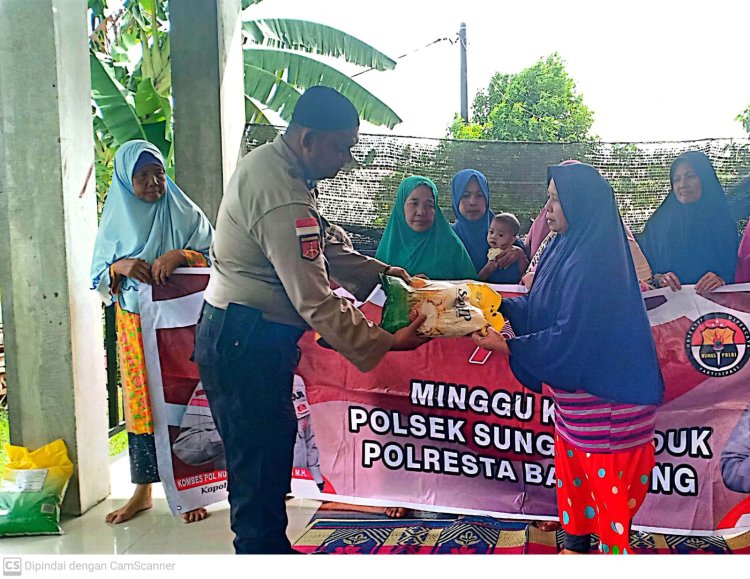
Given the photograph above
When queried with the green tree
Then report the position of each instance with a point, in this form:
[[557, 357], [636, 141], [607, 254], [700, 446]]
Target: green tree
[[537, 104], [744, 118]]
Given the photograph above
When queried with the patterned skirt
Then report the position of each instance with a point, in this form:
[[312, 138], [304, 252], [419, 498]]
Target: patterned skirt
[[139, 420], [599, 493]]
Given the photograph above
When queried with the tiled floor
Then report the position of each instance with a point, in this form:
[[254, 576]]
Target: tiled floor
[[154, 531]]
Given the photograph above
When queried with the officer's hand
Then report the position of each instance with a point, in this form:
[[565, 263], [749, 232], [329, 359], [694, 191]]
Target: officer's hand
[[507, 257], [669, 280], [398, 272], [407, 338], [527, 280]]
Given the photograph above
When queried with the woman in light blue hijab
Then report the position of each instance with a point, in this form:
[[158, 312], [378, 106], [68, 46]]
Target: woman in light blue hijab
[[147, 219], [149, 228]]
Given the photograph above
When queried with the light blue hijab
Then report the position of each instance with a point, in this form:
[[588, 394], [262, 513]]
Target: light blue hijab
[[131, 227]]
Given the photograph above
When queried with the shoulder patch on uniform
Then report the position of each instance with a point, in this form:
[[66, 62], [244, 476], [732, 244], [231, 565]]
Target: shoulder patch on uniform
[[308, 232]]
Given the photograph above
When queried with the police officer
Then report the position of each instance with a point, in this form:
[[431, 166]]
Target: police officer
[[271, 263]]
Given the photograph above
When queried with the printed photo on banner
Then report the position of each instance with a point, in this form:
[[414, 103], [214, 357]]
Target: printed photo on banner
[[190, 453]]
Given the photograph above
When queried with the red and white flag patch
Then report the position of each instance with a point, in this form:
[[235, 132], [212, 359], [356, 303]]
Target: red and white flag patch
[[307, 226], [308, 232]]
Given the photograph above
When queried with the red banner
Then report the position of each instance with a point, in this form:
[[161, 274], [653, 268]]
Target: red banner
[[447, 427]]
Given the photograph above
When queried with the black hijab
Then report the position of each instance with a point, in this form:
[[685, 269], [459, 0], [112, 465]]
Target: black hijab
[[693, 239]]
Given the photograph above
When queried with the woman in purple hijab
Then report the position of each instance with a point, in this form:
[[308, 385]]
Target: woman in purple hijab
[[583, 331]]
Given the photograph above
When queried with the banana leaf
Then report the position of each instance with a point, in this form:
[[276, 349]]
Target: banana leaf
[[147, 65], [98, 7], [299, 70], [101, 134], [117, 111], [253, 114], [135, 16], [163, 74], [148, 104], [316, 38], [151, 107], [155, 134], [271, 90]]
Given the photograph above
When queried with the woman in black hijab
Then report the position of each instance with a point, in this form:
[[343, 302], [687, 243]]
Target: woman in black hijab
[[692, 238]]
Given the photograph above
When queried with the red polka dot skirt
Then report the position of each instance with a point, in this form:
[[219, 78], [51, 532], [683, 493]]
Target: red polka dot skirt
[[600, 493]]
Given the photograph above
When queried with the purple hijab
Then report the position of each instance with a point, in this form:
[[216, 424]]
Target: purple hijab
[[583, 326]]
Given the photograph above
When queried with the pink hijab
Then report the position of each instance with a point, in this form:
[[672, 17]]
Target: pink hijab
[[538, 231], [743, 261]]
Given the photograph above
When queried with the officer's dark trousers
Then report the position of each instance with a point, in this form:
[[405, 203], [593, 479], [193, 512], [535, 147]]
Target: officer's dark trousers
[[247, 368]]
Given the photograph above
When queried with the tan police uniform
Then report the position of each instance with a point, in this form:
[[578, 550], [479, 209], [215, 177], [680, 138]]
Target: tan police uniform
[[270, 252]]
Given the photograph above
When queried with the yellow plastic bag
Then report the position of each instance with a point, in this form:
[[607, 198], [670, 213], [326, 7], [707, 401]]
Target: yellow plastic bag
[[452, 308], [32, 489]]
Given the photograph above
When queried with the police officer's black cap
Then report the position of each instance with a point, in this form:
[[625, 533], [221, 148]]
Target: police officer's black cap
[[325, 109]]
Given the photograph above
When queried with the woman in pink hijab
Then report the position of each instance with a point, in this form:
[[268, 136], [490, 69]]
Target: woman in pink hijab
[[742, 274], [538, 231]]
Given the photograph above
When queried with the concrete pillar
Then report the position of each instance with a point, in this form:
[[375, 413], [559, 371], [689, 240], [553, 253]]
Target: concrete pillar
[[53, 322], [208, 93]]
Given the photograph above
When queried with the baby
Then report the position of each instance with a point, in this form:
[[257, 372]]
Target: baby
[[502, 234]]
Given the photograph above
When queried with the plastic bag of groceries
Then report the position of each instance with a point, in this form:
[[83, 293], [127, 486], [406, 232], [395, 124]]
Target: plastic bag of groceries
[[32, 489], [452, 308]]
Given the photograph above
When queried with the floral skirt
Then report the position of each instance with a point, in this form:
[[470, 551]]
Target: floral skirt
[[139, 420]]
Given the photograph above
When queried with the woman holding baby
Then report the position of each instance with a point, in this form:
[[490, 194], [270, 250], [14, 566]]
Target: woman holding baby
[[492, 241]]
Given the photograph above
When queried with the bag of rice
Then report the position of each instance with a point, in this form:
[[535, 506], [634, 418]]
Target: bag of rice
[[452, 308], [32, 489]]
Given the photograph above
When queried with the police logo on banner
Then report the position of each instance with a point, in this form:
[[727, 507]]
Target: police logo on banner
[[717, 344]]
